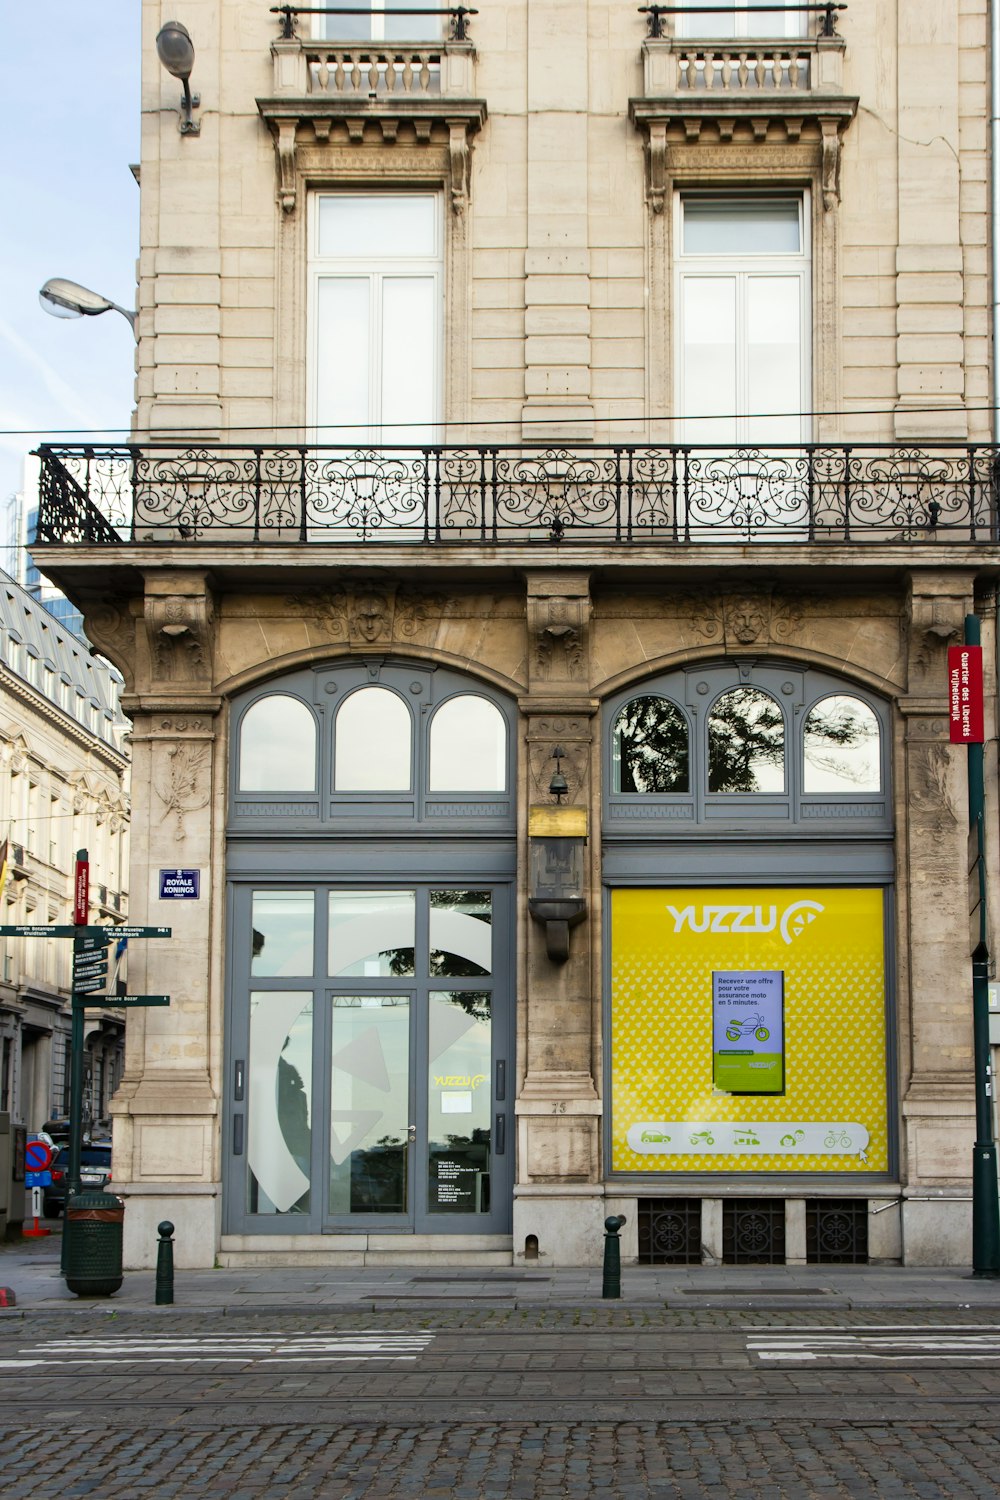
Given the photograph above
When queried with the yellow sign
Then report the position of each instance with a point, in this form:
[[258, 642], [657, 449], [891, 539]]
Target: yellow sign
[[667, 1113]]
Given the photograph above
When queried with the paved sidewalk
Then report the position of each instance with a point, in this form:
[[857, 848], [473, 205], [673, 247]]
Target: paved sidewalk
[[31, 1270]]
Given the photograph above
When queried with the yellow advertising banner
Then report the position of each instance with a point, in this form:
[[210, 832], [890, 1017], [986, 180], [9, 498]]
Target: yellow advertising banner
[[684, 1019]]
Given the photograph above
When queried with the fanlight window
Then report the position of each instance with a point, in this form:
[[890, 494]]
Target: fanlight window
[[649, 747], [746, 743], [277, 746], [841, 747], [373, 736], [468, 746]]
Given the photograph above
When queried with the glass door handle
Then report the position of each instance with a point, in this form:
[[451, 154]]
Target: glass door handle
[[411, 1131]]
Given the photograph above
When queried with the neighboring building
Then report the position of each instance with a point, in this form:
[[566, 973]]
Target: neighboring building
[[475, 776], [20, 524], [63, 787]]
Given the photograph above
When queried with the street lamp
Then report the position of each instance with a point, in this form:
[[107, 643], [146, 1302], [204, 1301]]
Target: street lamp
[[67, 299], [175, 50]]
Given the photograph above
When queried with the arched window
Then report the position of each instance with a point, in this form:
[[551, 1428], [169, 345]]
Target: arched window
[[840, 747], [373, 743], [746, 742], [468, 746], [649, 748], [277, 746]]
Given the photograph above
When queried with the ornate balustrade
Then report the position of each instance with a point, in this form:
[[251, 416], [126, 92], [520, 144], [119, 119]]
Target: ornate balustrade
[[619, 496]]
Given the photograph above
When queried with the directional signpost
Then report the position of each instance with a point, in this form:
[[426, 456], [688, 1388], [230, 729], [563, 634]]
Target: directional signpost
[[91, 962]]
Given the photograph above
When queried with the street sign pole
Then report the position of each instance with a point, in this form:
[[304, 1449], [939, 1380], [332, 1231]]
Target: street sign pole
[[81, 905], [985, 1196]]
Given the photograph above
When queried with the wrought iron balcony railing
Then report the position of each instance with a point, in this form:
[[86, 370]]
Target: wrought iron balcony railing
[[670, 495]]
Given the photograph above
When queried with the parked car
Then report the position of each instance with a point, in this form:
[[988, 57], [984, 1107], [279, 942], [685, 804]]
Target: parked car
[[95, 1171]]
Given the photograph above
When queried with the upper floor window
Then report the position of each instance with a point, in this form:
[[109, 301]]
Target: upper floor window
[[384, 23], [732, 21], [742, 299], [373, 745], [725, 743], [649, 746], [277, 746], [841, 747], [372, 740], [746, 742], [468, 746], [376, 296]]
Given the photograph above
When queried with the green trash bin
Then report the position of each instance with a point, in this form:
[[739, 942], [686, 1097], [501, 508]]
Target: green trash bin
[[94, 1222]]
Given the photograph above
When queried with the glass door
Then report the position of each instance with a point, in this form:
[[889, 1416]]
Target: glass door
[[417, 1095], [369, 1044]]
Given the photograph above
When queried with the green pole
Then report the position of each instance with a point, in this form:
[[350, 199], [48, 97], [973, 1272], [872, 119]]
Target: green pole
[[81, 894], [985, 1197]]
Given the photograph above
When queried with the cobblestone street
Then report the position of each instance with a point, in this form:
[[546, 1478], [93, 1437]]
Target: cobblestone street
[[500, 1404]]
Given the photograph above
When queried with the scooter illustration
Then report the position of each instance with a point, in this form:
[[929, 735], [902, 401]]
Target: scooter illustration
[[753, 1025]]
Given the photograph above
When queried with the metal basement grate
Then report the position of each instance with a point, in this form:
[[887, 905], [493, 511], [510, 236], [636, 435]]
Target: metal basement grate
[[753, 1232], [837, 1231], [670, 1231]]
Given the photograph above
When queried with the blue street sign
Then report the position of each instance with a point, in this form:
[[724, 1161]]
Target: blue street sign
[[180, 885]]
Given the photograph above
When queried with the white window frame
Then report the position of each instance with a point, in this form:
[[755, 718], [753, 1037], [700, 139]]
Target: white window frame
[[424, 28], [743, 265], [376, 270], [793, 23]]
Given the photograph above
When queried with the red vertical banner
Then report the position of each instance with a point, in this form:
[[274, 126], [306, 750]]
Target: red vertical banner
[[81, 890], [965, 694]]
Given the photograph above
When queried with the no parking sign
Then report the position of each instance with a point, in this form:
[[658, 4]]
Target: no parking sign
[[37, 1160]]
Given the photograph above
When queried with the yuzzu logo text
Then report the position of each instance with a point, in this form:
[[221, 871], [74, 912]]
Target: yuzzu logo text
[[791, 922]]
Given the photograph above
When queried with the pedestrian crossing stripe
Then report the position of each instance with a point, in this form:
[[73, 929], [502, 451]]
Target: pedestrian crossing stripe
[[228, 1348]]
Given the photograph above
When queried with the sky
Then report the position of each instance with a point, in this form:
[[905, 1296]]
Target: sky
[[70, 207]]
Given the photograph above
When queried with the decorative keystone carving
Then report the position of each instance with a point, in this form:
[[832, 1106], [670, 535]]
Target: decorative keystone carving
[[179, 628], [363, 614], [560, 629]]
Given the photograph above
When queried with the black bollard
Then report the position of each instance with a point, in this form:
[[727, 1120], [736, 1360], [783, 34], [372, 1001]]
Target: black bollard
[[612, 1284], [165, 1265]]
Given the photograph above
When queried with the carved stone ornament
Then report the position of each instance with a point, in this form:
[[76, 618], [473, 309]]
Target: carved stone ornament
[[757, 616], [931, 799], [110, 624], [560, 637], [363, 614], [806, 132], [445, 126], [184, 783], [575, 768], [415, 611], [178, 627]]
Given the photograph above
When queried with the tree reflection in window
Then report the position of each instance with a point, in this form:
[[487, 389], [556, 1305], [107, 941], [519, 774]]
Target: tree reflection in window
[[840, 743], [746, 743], [650, 747]]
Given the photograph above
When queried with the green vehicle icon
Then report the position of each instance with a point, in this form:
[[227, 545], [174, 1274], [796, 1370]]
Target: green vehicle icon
[[752, 1026]]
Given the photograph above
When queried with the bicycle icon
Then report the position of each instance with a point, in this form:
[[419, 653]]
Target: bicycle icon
[[752, 1026], [837, 1140]]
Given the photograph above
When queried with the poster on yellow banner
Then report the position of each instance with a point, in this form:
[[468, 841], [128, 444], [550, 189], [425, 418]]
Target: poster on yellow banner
[[748, 1030]]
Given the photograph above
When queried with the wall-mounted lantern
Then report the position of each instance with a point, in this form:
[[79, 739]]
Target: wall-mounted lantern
[[175, 50], [557, 837]]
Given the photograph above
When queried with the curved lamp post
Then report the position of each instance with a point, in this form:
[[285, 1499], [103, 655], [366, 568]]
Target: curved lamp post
[[68, 299]]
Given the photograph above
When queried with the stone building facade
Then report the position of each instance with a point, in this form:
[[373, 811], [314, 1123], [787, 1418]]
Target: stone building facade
[[562, 460], [63, 787]]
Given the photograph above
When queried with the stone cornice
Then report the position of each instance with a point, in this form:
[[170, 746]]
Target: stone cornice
[[61, 719]]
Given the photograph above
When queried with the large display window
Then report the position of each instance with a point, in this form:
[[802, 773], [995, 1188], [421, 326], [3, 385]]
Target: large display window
[[748, 1030]]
